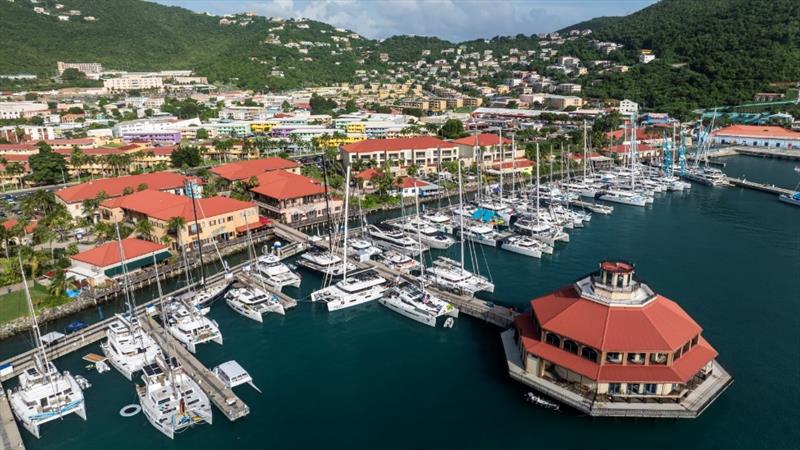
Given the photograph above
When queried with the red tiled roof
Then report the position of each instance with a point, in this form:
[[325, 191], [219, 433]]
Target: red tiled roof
[[15, 157], [396, 144], [410, 182], [625, 148], [108, 253], [18, 148], [520, 163], [659, 326], [113, 187], [9, 224], [641, 135], [243, 170], [164, 206], [283, 185], [758, 131], [261, 223], [616, 267], [368, 174], [484, 140], [80, 141]]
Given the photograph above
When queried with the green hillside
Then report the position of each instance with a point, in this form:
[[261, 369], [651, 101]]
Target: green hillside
[[710, 52]]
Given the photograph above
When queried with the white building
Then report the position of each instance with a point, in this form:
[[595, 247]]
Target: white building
[[133, 82], [23, 110], [91, 70], [154, 124], [628, 108], [646, 56]]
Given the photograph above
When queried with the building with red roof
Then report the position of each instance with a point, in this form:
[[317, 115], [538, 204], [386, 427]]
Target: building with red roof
[[366, 177], [521, 165], [608, 341], [26, 238], [426, 152], [292, 198], [411, 187], [98, 265], [757, 136], [489, 146], [621, 153], [74, 196], [218, 218], [244, 170]]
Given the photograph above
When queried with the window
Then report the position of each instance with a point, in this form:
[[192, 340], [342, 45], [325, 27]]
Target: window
[[589, 353], [614, 388], [571, 346], [650, 388], [230, 218], [614, 358], [633, 388], [552, 339]]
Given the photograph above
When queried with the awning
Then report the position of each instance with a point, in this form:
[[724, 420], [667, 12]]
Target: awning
[[130, 265], [262, 222]]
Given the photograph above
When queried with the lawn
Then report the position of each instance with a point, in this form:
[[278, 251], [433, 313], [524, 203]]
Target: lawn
[[13, 305]]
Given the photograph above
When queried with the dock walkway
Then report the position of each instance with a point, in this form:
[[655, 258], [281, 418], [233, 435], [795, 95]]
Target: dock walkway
[[768, 188], [223, 397], [10, 439]]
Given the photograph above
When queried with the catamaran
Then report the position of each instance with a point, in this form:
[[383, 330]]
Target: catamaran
[[324, 262], [398, 261], [170, 399], [127, 347], [482, 234], [429, 234], [363, 250], [388, 237], [44, 394], [191, 328], [275, 273], [253, 303]]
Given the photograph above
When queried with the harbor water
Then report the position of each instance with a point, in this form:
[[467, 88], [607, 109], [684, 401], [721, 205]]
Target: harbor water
[[367, 378]]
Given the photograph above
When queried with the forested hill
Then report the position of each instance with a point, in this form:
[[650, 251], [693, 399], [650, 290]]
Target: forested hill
[[710, 52]]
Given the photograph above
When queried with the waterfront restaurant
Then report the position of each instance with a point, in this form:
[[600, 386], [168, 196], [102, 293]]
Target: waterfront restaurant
[[608, 345], [100, 264]]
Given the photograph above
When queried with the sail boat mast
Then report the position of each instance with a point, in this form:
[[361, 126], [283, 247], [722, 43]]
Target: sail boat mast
[[191, 189], [37, 335], [346, 211], [461, 215]]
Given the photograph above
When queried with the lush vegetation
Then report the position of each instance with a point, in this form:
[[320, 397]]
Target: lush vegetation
[[709, 52]]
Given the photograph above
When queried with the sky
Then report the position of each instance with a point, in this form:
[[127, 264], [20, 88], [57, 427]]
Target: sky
[[454, 20]]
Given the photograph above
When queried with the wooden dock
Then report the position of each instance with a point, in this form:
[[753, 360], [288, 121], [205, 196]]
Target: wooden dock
[[223, 397], [10, 439], [768, 188], [471, 306]]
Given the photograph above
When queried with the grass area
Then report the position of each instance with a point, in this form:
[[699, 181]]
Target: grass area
[[13, 305]]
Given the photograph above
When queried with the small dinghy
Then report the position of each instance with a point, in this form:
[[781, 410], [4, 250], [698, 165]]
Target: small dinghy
[[82, 382], [530, 397], [232, 374], [449, 322]]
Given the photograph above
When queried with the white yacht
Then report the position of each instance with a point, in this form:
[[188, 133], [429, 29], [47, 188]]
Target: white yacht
[[541, 230], [253, 303], [275, 273], [232, 374], [581, 188], [440, 221], [708, 176], [354, 289], [390, 238], [482, 234], [525, 245], [413, 302], [190, 328], [171, 401], [448, 274], [398, 261], [362, 249], [323, 261], [429, 234], [128, 348], [44, 394], [624, 197]]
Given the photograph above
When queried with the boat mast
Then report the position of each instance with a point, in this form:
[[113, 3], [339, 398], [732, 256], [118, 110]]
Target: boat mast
[[585, 151], [327, 197], [461, 214], [125, 282], [419, 239], [346, 211], [632, 148], [37, 335], [537, 185], [165, 323], [500, 146], [190, 186]]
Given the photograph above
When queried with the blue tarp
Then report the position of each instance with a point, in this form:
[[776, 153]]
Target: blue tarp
[[484, 215]]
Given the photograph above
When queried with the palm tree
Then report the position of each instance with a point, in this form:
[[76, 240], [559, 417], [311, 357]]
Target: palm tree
[[143, 228], [42, 234], [5, 236], [58, 284], [15, 169], [175, 225]]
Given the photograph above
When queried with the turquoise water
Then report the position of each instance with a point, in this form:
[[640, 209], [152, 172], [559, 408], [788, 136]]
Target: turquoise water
[[367, 378]]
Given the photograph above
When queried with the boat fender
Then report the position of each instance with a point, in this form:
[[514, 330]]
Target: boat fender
[[130, 410]]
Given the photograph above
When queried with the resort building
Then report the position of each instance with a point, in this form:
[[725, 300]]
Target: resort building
[[487, 145], [608, 345], [292, 198], [243, 170], [219, 218], [427, 153], [100, 264], [757, 136], [411, 187], [104, 188]]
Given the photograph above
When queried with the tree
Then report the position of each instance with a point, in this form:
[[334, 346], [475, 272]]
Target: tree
[[186, 155], [143, 228], [350, 106], [452, 129], [321, 105], [141, 187], [412, 170], [202, 133], [72, 75], [44, 234], [47, 167], [175, 226], [58, 284], [14, 169]]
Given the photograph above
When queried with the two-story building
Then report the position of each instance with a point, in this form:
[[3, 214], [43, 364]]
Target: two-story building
[[292, 198], [218, 218], [489, 146], [425, 152], [244, 170]]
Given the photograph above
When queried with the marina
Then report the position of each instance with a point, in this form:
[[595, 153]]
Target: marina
[[369, 316]]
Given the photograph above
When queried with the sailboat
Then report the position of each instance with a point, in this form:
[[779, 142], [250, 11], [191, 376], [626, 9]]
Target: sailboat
[[411, 299], [170, 399], [127, 347], [355, 288], [44, 394], [451, 275], [628, 195], [704, 174]]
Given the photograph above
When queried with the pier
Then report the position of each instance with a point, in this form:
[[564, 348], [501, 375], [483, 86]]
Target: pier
[[768, 188], [471, 306], [222, 396], [10, 439]]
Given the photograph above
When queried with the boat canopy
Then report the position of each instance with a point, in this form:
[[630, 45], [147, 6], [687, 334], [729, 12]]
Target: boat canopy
[[484, 215]]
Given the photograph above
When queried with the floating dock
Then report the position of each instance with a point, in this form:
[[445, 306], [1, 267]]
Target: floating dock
[[10, 439], [768, 188], [223, 397]]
